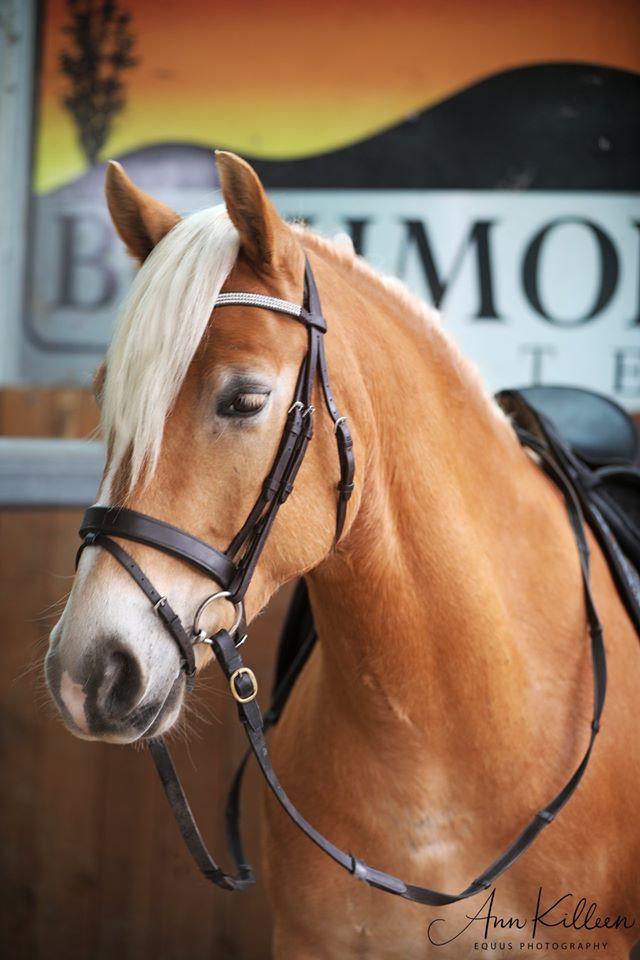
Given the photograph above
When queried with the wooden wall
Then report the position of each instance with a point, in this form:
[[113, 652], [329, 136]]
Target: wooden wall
[[91, 865]]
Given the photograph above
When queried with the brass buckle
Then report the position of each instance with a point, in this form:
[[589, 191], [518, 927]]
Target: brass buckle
[[232, 683]]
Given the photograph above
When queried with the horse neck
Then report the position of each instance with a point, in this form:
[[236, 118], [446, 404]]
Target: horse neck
[[429, 597]]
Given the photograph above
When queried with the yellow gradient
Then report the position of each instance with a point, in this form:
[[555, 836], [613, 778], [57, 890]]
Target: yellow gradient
[[275, 80]]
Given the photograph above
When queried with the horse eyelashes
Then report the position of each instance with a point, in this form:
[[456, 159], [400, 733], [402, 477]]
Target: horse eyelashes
[[242, 404]]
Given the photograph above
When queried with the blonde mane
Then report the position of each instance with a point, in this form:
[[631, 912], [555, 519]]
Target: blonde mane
[[166, 312], [160, 325]]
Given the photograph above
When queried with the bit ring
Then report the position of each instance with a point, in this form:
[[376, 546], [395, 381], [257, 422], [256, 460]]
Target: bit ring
[[200, 634]]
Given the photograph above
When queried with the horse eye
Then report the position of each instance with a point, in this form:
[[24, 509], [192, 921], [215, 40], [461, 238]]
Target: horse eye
[[245, 405]]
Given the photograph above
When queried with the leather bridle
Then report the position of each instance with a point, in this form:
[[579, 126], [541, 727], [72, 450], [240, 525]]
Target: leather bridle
[[233, 569]]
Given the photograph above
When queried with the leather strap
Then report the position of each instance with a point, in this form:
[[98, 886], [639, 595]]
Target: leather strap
[[230, 661], [341, 429], [189, 829], [160, 604], [132, 525]]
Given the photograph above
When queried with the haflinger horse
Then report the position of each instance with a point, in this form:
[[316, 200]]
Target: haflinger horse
[[450, 693]]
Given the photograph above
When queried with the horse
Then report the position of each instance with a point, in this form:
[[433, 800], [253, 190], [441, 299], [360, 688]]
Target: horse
[[449, 692]]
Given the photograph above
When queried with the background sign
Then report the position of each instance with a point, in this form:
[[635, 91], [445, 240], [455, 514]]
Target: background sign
[[501, 186]]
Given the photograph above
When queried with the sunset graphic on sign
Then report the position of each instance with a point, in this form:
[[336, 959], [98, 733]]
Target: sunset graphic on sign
[[283, 80]]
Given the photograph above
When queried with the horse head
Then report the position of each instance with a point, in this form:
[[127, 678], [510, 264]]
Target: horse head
[[194, 402]]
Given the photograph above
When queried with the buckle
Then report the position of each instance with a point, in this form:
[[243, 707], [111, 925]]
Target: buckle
[[247, 672], [338, 423]]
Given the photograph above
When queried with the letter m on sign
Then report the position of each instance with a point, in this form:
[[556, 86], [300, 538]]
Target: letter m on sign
[[477, 242]]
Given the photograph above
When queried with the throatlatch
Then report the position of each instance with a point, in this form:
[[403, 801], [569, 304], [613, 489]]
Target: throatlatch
[[232, 571]]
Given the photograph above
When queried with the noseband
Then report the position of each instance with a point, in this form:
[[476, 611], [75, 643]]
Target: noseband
[[233, 569]]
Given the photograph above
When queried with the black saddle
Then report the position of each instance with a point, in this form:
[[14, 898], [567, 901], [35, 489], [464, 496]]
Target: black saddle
[[596, 443], [593, 426]]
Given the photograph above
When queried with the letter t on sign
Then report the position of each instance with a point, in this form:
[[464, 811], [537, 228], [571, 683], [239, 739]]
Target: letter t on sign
[[538, 352]]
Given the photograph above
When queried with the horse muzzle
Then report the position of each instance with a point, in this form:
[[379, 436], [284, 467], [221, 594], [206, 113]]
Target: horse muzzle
[[106, 694]]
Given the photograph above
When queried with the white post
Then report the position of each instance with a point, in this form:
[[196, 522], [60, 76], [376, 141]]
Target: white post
[[17, 47]]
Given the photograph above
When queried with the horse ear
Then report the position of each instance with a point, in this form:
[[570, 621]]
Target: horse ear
[[140, 220], [264, 236]]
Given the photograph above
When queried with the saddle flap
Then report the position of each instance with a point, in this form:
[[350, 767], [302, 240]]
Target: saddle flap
[[595, 427]]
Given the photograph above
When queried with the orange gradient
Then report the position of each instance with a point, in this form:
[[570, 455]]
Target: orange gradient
[[280, 79]]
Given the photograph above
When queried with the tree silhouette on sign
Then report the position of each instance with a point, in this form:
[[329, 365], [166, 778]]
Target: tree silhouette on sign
[[100, 50]]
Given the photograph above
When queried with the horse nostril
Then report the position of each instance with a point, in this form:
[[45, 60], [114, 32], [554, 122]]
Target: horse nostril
[[121, 686]]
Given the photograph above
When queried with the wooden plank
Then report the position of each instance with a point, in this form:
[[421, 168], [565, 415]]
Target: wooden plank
[[42, 853], [20, 750], [48, 412], [94, 865], [49, 801]]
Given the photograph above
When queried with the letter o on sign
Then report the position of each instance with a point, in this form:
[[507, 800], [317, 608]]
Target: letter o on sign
[[609, 270]]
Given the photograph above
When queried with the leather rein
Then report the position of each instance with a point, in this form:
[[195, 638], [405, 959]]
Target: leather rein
[[233, 569]]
